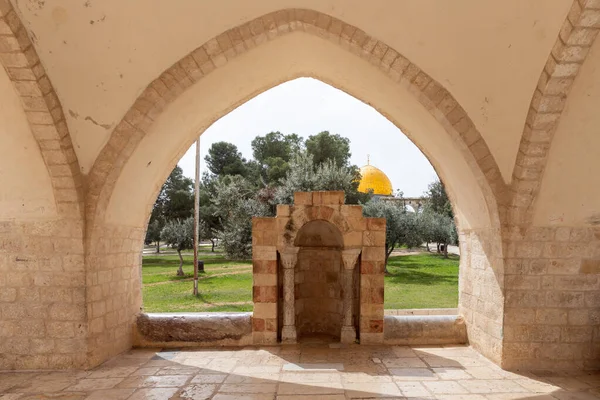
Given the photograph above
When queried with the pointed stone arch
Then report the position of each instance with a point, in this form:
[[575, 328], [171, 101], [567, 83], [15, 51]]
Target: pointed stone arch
[[219, 50], [568, 54], [43, 110], [113, 244]]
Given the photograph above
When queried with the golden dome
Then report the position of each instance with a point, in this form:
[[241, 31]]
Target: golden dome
[[374, 178]]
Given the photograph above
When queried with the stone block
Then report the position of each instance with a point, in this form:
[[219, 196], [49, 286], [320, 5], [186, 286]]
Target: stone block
[[264, 266], [590, 266], [376, 224], [283, 210], [369, 338], [353, 239], [265, 253], [327, 198], [351, 211], [303, 198], [374, 238], [576, 334], [263, 223], [373, 254]]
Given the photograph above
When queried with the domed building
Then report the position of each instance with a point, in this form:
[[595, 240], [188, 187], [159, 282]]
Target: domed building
[[375, 179]]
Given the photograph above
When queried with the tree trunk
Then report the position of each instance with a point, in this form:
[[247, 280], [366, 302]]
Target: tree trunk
[[180, 270], [445, 250], [158, 247], [438, 248], [427, 246], [212, 250], [387, 256]]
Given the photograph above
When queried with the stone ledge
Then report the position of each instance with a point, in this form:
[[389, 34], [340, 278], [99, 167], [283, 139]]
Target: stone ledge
[[193, 329], [423, 311], [424, 329]]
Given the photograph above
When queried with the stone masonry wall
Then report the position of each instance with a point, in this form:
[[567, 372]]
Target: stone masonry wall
[[481, 300], [552, 298], [318, 291], [42, 295], [264, 273], [371, 282], [114, 293]]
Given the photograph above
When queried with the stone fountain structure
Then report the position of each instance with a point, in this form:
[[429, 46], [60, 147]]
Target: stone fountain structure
[[318, 269]]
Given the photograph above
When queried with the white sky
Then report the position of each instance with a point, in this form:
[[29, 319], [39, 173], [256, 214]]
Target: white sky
[[306, 106]]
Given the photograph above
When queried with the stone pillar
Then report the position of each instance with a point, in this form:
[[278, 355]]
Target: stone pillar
[[349, 258], [288, 260]]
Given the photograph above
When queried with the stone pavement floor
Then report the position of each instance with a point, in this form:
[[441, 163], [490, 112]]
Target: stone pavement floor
[[305, 371]]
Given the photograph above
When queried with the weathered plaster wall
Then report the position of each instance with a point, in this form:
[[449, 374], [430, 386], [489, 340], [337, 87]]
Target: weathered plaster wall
[[26, 186], [102, 54], [297, 54], [570, 194]]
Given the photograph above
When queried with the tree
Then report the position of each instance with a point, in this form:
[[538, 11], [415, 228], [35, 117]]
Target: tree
[[304, 176], [273, 153], [236, 203], [179, 234], [401, 227], [175, 201], [437, 199], [325, 146], [438, 228], [224, 159], [153, 233]]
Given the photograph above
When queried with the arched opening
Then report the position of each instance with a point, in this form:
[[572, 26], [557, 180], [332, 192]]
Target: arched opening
[[318, 277], [137, 177]]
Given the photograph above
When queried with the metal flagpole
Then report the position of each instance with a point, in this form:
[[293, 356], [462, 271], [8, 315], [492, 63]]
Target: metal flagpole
[[196, 215]]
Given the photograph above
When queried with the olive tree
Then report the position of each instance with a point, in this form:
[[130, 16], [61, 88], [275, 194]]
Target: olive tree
[[179, 234], [402, 227]]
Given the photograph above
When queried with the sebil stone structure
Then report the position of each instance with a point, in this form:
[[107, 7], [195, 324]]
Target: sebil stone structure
[[318, 270]]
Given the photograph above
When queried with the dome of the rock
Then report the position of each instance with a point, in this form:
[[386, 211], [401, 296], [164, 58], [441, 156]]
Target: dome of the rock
[[375, 179]]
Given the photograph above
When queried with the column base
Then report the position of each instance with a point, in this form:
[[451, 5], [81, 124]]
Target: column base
[[348, 334], [288, 334]]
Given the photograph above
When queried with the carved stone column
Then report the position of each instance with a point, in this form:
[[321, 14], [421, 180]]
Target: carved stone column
[[349, 258], [289, 257]]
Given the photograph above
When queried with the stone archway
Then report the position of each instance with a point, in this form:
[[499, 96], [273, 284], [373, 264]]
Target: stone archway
[[129, 171]]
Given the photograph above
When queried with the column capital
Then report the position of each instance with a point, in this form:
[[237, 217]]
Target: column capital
[[289, 257], [349, 256]]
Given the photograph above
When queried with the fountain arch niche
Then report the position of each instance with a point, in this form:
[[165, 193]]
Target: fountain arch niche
[[318, 270], [318, 286]]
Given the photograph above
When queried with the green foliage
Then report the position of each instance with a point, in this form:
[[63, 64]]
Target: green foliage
[[402, 228], [175, 201], [325, 146], [437, 199], [224, 159], [305, 175], [153, 232], [273, 152], [179, 234], [236, 203]]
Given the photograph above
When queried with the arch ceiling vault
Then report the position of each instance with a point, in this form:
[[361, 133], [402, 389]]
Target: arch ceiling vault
[[99, 85]]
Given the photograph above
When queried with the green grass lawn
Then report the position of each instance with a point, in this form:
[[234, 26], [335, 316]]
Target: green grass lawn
[[422, 281], [415, 281], [225, 285]]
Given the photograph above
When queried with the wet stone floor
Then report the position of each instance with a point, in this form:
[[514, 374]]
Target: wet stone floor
[[306, 371]]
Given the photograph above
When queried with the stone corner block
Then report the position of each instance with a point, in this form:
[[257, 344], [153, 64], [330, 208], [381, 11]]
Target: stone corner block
[[328, 198], [303, 198], [371, 338]]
